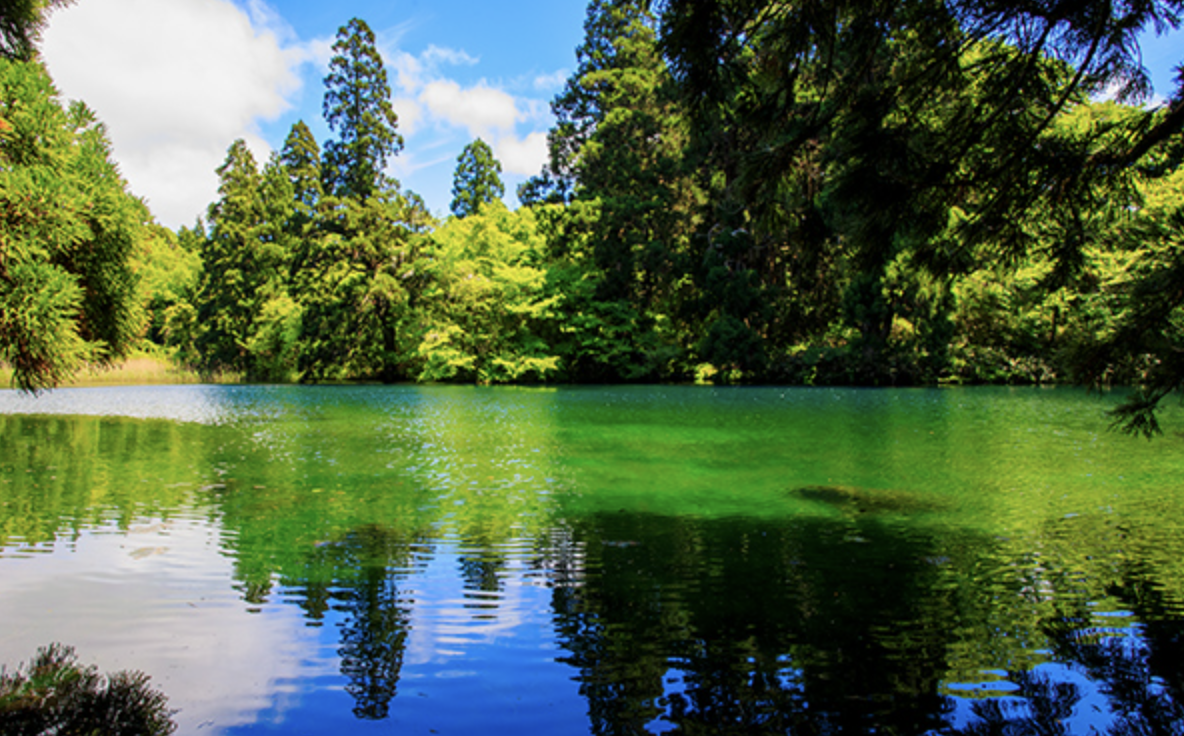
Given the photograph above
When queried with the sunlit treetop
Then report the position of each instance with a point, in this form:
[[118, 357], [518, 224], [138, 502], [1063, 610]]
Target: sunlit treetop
[[477, 180], [357, 107]]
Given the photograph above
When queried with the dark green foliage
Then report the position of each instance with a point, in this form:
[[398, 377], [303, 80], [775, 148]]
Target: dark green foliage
[[1144, 342], [543, 189], [355, 273], [228, 296], [477, 180], [301, 157], [904, 133], [358, 109], [357, 282], [244, 321], [55, 694], [21, 22], [616, 152]]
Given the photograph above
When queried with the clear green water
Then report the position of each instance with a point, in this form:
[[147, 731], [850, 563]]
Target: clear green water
[[323, 560]]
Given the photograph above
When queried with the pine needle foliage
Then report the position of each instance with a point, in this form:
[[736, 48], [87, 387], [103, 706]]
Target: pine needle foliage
[[477, 180], [54, 694], [357, 107]]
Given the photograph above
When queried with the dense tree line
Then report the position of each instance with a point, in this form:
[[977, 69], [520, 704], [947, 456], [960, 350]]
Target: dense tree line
[[737, 190]]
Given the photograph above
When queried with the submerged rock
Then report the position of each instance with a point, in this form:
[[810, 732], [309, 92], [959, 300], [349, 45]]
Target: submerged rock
[[867, 500]]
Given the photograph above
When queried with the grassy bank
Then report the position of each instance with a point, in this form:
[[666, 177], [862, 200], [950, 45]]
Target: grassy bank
[[138, 369]]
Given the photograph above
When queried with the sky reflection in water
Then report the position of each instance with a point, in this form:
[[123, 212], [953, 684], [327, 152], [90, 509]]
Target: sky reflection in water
[[311, 559]]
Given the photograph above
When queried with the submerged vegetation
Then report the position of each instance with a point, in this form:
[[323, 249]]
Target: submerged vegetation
[[738, 191]]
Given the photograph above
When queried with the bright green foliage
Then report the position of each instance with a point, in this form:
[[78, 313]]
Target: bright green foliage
[[477, 180], [168, 268], [274, 343], [68, 228], [358, 109], [180, 328], [487, 305]]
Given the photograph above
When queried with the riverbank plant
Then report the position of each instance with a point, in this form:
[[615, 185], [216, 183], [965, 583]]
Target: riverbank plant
[[55, 694]]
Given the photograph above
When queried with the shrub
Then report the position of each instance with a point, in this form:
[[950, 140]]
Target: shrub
[[54, 694]]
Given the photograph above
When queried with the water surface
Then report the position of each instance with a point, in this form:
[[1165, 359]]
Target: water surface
[[601, 560]]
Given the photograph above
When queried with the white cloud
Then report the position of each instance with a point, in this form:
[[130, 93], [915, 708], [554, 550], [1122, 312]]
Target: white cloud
[[480, 109], [413, 72], [176, 82], [410, 114], [409, 70], [437, 55], [522, 155], [552, 81]]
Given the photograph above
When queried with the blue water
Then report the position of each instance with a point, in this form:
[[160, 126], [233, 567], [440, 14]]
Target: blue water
[[321, 560]]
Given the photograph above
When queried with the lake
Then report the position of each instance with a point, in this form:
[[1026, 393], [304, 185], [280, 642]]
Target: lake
[[608, 560]]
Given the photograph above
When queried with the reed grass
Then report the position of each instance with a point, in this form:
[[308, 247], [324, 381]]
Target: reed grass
[[140, 369]]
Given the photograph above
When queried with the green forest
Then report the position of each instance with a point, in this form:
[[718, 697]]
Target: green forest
[[904, 192]]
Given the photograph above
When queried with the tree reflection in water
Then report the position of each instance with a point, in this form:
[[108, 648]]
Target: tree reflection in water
[[754, 627], [809, 627], [850, 626], [369, 563], [1133, 696]]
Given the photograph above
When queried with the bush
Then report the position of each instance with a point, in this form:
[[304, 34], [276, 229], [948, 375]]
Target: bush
[[56, 695]]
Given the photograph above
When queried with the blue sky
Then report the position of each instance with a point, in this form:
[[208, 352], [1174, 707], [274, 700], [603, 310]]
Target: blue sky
[[177, 81]]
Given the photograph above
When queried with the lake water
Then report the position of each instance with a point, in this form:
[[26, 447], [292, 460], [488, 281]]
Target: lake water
[[459, 560]]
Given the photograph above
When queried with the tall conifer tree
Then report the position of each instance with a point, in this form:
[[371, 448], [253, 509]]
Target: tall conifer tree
[[301, 157], [357, 107], [616, 154], [356, 274], [238, 259], [477, 180]]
